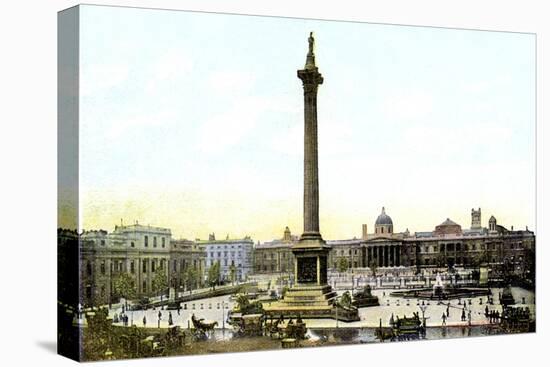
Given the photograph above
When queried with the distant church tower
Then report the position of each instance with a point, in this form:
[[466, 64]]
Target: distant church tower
[[476, 218], [492, 224], [287, 236]]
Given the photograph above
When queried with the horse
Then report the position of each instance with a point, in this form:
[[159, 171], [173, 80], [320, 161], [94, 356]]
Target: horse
[[204, 329]]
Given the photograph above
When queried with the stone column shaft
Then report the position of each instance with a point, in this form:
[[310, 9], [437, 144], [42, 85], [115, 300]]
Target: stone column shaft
[[311, 78]]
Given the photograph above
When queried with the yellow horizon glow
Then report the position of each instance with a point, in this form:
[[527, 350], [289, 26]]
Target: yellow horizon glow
[[194, 215]]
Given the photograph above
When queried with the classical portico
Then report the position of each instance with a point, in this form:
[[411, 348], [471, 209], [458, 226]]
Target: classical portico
[[384, 254]]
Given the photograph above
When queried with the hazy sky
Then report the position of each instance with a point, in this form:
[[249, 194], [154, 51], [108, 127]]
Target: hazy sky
[[194, 122]]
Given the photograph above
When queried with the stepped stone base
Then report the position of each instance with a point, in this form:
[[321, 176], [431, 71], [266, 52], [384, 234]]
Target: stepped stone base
[[310, 301]]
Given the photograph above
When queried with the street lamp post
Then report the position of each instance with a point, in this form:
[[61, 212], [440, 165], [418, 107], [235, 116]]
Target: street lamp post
[[423, 309], [223, 316], [336, 304]]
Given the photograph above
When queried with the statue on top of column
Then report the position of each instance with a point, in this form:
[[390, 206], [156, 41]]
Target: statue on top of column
[[311, 41]]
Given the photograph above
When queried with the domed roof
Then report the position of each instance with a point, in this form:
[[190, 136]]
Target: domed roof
[[449, 222], [383, 219]]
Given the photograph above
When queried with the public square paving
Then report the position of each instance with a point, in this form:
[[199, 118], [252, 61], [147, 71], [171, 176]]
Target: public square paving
[[211, 309], [370, 316]]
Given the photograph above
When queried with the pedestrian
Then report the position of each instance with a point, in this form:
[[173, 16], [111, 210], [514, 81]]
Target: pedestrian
[[444, 319], [160, 315], [170, 321], [448, 311], [486, 311], [144, 321], [463, 316]]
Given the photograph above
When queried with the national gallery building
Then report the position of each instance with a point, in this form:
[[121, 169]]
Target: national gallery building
[[447, 245]]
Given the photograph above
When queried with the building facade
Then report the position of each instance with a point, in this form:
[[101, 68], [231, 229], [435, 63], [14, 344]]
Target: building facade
[[137, 250], [187, 264], [237, 253], [275, 257], [448, 245]]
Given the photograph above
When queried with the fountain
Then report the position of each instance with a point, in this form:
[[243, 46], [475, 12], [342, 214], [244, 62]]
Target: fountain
[[437, 291], [441, 292]]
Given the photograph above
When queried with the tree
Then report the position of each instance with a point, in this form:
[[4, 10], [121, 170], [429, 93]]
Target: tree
[[124, 286], [232, 273], [160, 282], [480, 259], [529, 266], [342, 265], [214, 275], [191, 277], [441, 260]]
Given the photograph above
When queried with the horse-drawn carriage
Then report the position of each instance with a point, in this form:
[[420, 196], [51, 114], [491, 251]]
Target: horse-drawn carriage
[[405, 328], [247, 317], [202, 329], [247, 325], [515, 319], [292, 330]]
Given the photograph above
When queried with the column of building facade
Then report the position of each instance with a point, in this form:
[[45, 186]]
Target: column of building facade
[[398, 256]]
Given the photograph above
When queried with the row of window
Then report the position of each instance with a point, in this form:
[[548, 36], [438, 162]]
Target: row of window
[[232, 246], [146, 241], [183, 265], [212, 262], [232, 254], [117, 266], [272, 267], [471, 247], [343, 252], [272, 255]]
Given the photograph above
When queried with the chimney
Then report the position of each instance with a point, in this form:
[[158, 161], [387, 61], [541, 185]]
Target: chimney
[[365, 233]]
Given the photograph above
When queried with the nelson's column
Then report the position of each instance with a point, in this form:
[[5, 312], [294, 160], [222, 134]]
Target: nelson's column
[[311, 296]]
